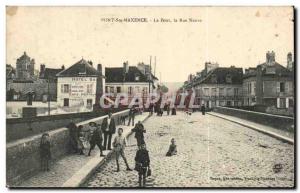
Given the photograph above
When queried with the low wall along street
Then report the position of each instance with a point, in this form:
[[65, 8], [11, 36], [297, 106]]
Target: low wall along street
[[276, 121], [18, 128], [23, 158]]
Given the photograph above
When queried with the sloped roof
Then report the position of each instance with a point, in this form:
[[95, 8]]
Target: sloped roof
[[51, 72], [220, 75], [82, 68], [117, 75], [279, 70]]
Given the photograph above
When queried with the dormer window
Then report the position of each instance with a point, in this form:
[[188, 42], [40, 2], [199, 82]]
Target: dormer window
[[228, 78], [137, 77], [214, 78]]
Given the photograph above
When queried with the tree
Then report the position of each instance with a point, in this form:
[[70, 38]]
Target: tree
[[164, 89]]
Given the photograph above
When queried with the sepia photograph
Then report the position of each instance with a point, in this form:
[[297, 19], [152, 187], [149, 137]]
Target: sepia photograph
[[134, 97]]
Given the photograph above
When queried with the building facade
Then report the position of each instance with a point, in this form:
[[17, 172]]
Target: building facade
[[220, 87], [77, 86], [131, 80], [270, 84]]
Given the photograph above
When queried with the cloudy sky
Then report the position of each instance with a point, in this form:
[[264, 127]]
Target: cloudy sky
[[238, 36]]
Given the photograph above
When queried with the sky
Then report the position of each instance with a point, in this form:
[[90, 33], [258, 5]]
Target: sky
[[231, 36]]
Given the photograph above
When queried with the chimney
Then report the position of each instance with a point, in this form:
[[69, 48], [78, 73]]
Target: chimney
[[42, 70], [125, 67], [99, 68], [63, 67], [290, 63], [270, 58]]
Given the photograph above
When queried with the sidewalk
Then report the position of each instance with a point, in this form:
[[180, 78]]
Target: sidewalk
[[72, 170], [279, 134]]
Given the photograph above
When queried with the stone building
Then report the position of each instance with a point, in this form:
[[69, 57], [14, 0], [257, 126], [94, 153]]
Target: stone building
[[25, 67], [219, 87], [77, 86], [131, 80], [270, 84]]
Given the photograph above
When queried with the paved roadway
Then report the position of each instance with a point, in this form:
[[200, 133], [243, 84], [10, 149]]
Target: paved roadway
[[212, 152]]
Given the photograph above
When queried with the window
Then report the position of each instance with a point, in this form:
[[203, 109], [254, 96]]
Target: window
[[89, 89], [235, 103], [221, 92], [282, 87], [253, 99], [222, 103], [111, 89], [228, 92], [89, 103], [145, 90], [118, 89], [137, 77], [214, 78], [129, 90], [66, 102], [282, 103], [213, 91], [106, 89], [206, 91], [236, 92], [137, 89], [228, 78], [65, 88], [228, 103]]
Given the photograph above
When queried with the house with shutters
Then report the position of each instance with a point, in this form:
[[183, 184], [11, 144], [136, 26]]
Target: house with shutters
[[132, 80], [221, 86], [79, 86], [270, 84]]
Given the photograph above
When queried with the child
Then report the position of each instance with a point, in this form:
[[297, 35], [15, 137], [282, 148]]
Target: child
[[80, 140], [119, 145], [143, 163], [45, 152], [172, 148]]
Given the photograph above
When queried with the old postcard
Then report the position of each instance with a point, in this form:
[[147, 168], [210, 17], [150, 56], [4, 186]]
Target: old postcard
[[150, 97]]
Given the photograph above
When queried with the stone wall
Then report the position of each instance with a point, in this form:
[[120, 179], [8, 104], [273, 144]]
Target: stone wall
[[18, 128], [23, 158], [276, 121]]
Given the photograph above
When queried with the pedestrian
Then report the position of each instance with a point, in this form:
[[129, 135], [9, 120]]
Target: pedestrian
[[73, 136], [173, 111], [203, 109], [131, 116], [168, 109], [151, 109], [119, 144], [172, 148], [80, 139], [45, 152], [96, 138], [139, 133], [108, 127], [142, 160]]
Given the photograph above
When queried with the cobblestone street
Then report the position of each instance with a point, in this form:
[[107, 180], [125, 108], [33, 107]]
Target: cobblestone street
[[212, 152]]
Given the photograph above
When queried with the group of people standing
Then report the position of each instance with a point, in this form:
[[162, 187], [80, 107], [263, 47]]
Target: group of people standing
[[96, 134]]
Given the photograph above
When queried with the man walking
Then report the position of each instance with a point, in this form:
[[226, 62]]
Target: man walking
[[119, 144], [139, 133], [131, 116], [96, 138], [109, 128]]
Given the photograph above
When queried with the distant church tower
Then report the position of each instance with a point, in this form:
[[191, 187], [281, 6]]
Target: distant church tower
[[25, 67]]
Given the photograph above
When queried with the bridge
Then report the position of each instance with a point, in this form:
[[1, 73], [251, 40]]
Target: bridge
[[213, 151]]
